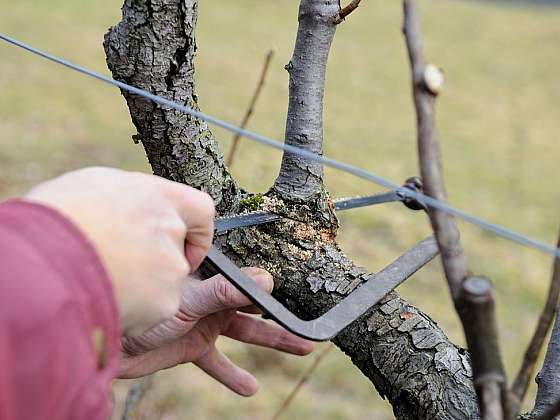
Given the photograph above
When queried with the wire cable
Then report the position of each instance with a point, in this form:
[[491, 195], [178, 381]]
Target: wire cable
[[342, 166]]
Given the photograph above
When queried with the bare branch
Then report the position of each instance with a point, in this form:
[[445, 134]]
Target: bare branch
[[251, 108], [472, 296], [548, 379], [521, 383], [426, 82], [300, 178], [304, 378], [345, 11]]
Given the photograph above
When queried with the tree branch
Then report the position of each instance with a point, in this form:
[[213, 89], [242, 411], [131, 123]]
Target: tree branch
[[521, 383], [300, 178], [426, 82], [404, 353], [548, 379], [153, 48], [251, 108], [346, 10], [398, 347], [473, 297]]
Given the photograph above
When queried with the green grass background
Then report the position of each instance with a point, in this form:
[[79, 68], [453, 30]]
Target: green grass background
[[498, 121]]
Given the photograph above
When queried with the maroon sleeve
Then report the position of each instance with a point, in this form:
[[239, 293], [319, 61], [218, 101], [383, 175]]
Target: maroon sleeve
[[59, 327]]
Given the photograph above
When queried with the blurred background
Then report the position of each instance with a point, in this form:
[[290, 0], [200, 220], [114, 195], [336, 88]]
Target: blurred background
[[498, 121]]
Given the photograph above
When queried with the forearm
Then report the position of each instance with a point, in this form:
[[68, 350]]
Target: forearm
[[59, 328]]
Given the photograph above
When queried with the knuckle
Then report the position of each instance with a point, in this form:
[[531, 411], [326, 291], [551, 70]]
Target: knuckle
[[174, 227], [207, 208], [224, 292]]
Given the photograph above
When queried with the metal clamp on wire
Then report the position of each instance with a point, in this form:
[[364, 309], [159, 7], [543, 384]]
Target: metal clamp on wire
[[414, 184]]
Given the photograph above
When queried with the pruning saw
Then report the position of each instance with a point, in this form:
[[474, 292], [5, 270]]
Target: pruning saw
[[356, 303]]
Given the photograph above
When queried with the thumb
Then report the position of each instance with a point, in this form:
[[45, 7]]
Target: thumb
[[206, 297]]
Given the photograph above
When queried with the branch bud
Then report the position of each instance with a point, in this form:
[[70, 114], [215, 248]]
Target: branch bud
[[433, 79]]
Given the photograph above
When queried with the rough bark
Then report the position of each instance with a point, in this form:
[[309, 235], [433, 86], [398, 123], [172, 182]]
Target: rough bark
[[153, 48], [404, 353], [400, 349]]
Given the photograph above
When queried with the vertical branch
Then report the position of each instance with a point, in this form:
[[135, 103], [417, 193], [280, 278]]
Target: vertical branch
[[521, 383], [300, 178], [473, 296], [251, 108], [427, 81], [548, 379]]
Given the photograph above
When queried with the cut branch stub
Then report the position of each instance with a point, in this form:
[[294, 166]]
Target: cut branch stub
[[346, 10], [477, 311], [300, 178]]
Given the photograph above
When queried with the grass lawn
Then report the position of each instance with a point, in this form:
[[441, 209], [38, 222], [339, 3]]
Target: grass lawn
[[498, 123]]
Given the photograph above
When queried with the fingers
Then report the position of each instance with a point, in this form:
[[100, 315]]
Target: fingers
[[257, 331], [183, 350], [196, 208], [218, 366], [203, 298]]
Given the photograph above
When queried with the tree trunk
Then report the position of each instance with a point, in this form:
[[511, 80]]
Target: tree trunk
[[398, 347]]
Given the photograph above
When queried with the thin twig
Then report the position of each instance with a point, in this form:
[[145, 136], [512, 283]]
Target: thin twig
[[304, 378], [346, 10], [251, 108], [521, 383], [473, 296]]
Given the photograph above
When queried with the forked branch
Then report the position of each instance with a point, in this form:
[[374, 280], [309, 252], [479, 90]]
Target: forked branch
[[473, 296]]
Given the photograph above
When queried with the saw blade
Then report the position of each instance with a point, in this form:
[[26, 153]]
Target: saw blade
[[223, 224]]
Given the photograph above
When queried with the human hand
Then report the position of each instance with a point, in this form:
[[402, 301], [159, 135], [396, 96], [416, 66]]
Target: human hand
[[138, 224], [208, 309]]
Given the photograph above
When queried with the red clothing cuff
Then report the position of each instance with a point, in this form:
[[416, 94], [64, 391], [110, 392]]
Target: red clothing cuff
[[59, 324]]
